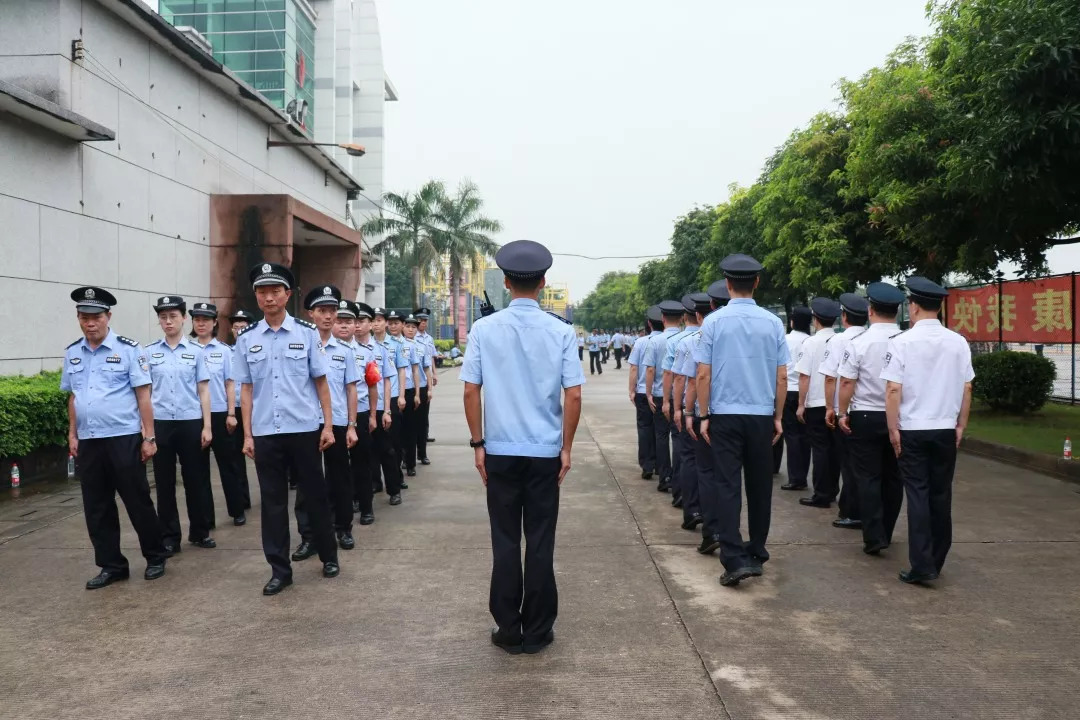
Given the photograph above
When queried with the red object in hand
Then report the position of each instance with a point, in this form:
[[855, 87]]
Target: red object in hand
[[371, 373]]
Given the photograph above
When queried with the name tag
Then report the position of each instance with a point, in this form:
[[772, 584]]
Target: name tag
[[338, 357], [187, 356], [75, 361], [113, 359], [255, 348], [157, 355], [296, 346], [215, 355]]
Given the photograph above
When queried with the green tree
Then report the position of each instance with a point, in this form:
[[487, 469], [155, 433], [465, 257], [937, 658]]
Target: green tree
[[615, 302], [676, 275], [461, 234], [399, 288], [407, 230]]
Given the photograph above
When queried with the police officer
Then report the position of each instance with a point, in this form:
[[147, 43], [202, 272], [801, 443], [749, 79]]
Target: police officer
[[239, 320], [812, 404], [853, 312], [698, 305], [284, 395], [411, 416], [796, 439], [668, 404], [927, 400], [523, 358], [427, 384], [861, 416], [671, 312], [639, 395], [370, 367], [594, 340], [387, 413], [742, 380], [580, 345], [227, 450], [109, 432], [407, 376], [181, 400], [341, 377]]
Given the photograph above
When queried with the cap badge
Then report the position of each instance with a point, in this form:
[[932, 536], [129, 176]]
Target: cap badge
[[343, 304], [164, 300], [326, 290], [266, 267], [90, 293], [203, 306]]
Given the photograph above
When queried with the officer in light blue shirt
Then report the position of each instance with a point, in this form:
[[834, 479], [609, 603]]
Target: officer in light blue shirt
[[414, 381], [525, 361], [368, 353], [387, 415], [110, 421], [593, 341], [227, 446], [652, 360], [428, 380], [639, 395], [670, 403], [181, 399], [742, 379], [285, 394], [239, 320]]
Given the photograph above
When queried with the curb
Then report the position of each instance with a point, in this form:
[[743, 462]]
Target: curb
[[1062, 469]]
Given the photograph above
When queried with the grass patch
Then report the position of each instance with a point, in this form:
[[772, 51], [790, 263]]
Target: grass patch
[[1043, 431]]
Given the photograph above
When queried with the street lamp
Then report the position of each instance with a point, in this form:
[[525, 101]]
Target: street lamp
[[351, 148]]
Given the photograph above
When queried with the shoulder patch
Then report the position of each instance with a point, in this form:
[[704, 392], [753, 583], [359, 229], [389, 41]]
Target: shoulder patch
[[73, 344], [305, 323], [558, 317], [249, 327], [127, 341]]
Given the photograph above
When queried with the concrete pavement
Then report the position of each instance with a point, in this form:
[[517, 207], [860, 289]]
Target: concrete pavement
[[645, 630]]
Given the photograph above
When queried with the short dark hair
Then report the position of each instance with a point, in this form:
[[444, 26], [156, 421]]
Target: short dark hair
[[854, 318], [889, 311], [801, 323], [742, 285], [525, 286], [926, 303], [657, 325]]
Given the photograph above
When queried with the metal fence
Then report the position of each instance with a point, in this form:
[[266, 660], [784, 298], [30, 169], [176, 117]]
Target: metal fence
[[1033, 315]]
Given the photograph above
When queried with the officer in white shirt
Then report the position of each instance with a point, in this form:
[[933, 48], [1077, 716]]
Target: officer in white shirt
[[927, 401], [812, 404], [861, 417], [853, 313], [796, 439]]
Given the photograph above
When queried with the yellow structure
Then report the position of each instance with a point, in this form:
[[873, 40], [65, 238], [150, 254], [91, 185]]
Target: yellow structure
[[555, 298], [436, 293]]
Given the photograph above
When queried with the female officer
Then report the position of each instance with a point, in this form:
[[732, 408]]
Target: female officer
[[181, 400], [227, 451], [239, 320]]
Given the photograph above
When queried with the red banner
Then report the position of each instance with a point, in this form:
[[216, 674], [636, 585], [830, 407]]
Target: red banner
[[1031, 311]]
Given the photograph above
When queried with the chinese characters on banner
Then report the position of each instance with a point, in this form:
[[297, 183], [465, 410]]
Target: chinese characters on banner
[[1031, 311]]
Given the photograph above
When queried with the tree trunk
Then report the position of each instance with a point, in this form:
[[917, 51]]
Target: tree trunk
[[415, 287], [455, 288]]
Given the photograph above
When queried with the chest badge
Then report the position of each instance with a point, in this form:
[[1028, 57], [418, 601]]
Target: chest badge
[[75, 361], [296, 346], [255, 348], [113, 359]]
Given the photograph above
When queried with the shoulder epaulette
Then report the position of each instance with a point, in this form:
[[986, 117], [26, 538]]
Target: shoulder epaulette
[[558, 317], [305, 323], [249, 327], [73, 344], [127, 341]]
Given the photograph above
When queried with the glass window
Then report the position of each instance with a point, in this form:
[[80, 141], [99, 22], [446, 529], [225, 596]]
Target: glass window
[[269, 60], [235, 42], [270, 41], [239, 21], [270, 20]]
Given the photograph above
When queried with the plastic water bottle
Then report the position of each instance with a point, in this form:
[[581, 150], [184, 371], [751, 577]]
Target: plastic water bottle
[[71, 466], [1068, 449], [16, 479]]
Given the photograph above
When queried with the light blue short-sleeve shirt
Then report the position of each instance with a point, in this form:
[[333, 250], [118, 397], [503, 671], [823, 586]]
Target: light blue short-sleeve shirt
[[673, 344], [340, 373], [103, 381], [743, 344], [281, 366], [176, 374], [637, 357], [366, 353], [523, 357], [218, 357], [654, 355]]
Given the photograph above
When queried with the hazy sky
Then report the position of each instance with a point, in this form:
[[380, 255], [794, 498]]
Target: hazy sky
[[591, 125]]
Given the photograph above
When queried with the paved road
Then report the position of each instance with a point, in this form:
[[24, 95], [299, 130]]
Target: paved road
[[645, 631]]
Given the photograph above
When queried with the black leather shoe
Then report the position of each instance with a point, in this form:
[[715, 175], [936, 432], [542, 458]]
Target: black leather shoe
[[664, 485], [875, 547], [330, 569], [345, 541], [367, 518], [425, 461], [404, 485], [693, 522], [790, 486], [506, 642], [535, 646], [276, 585], [411, 472], [646, 475], [172, 549], [709, 545], [814, 502], [355, 506], [395, 499], [239, 520], [913, 577], [732, 578], [676, 500], [105, 578], [153, 572], [847, 523], [207, 543], [431, 439], [304, 550], [756, 569]]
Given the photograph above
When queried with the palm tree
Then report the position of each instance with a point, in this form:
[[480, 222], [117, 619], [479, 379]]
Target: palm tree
[[407, 230], [462, 237]]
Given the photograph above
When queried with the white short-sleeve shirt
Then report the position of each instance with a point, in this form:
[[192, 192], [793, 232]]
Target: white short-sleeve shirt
[[863, 361], [834, 355], [932, 363], [811, 354]]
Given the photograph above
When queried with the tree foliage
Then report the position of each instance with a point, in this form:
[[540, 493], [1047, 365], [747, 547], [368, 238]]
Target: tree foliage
[[616, 302]]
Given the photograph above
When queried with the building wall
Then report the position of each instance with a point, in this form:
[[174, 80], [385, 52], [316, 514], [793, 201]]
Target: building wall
[[131, 215]]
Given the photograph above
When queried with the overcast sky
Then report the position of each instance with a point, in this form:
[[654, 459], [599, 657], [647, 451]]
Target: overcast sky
[[590, 125]]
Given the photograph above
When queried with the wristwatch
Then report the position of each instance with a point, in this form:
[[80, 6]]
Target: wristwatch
[[478, 444], [352, 423], [152, 440]]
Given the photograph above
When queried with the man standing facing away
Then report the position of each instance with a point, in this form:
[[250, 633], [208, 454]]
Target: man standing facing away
[[524, 360], [742, 380], [617, 341], [927, 401], [672, 313], [427, 384], [594, 352], [812, 404], [853, 310], [284, 396], [669, 404], [110, 432], [639, 396], [796, 439], [387, 413], [698, 306]]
